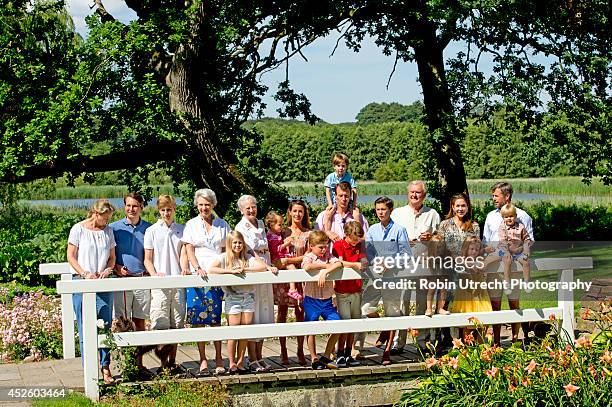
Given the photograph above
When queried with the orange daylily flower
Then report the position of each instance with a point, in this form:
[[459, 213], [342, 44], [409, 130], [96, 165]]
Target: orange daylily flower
[[570, 389]]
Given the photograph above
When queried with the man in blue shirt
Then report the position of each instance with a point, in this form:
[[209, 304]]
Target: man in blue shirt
[[129, 234], [385, 240]]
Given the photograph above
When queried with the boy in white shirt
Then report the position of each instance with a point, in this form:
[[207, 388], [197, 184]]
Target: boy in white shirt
[[164, 256]]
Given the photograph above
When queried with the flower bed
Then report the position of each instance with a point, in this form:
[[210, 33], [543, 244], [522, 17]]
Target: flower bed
[[548, 373], [30, 326]]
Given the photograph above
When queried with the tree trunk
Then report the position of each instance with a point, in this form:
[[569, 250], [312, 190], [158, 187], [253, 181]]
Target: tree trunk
[[439, 116], [211, 165]]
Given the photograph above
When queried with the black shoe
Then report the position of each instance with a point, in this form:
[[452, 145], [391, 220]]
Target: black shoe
[[396, 351], [352, 362], [330, 364], [317, 365]]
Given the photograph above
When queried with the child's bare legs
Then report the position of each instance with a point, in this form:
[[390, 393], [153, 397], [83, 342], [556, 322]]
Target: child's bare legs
[[507, 262], [331, 345], [247, 319], [312, 347], [293, 292], [441, 302], [233, 320], [429, 309], [202, 352], [526, 273]]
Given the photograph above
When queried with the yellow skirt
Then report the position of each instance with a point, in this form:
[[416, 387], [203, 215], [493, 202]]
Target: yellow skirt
[[471, 300]]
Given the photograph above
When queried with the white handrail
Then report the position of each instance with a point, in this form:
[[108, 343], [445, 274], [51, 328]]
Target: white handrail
[[91, 341]]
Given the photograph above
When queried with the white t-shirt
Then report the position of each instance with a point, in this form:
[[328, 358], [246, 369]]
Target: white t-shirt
[[94, 247], [238, 289], [166, 245], [207, 245]]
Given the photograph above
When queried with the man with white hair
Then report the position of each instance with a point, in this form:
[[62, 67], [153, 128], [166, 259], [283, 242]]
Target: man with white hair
[[420, 222]]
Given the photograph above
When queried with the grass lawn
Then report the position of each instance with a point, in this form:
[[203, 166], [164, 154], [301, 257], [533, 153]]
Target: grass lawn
[[602, 268], [162, 394]]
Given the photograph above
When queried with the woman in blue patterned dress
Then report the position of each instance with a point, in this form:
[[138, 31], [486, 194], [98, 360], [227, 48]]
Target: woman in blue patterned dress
[[204, 237]]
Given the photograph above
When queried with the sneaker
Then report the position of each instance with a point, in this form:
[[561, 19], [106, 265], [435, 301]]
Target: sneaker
[[317, 365], [330, 364], [352, 362], [341, 362]]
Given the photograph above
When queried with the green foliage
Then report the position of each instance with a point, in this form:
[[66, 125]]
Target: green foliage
[[390, 112], [303, 153], [548, 373], [29, 237]]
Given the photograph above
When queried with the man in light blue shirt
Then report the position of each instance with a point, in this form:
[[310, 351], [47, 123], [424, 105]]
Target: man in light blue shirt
[[385, 240], [129, 234]]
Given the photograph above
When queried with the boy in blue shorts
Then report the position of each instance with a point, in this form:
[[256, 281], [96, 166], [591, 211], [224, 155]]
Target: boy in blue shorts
[[318, 295]]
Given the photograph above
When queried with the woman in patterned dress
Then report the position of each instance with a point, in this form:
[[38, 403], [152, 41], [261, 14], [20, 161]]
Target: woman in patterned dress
[[204, 237], [298, 228]]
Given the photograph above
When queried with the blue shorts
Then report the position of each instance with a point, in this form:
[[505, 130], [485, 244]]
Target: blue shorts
[[315, 308], [515, 256]]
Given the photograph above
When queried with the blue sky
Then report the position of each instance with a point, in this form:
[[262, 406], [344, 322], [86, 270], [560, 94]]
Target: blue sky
[[338, 86]]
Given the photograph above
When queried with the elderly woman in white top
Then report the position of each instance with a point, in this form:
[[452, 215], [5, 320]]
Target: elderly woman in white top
[[204, 237], [254, 233], [91, 255]]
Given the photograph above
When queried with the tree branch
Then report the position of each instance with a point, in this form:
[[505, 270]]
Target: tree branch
[[105, 16], [161, 151]]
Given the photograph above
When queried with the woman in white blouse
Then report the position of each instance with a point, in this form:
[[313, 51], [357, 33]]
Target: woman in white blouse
[[254, 233], [91, 254], [204, 237]]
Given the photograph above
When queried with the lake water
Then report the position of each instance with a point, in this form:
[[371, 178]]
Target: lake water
[[118, 202]]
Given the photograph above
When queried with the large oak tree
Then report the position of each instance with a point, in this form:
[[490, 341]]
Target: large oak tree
[[174, 86]]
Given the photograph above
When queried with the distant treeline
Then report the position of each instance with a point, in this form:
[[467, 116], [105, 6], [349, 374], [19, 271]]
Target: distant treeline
[[387, 150]]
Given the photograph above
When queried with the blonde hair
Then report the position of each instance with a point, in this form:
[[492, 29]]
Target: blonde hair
[[101, 206], [317, 237], [508, 210], [165, 201], [271, 217], [340, 158], [230, 257], [353, 229], [469, 241]]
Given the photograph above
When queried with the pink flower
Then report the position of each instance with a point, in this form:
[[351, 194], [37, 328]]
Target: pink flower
[[552, 317], [592, 371], [469, 339], [584, 342], [511, 388], [492, 373], [474, 320], [454, 363], [531, 366], [607, 357], [457, 344], [570, 389], [431, 362]]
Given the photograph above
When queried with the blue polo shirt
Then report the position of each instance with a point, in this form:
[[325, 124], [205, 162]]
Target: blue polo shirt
[[386, 242], [130, 244]]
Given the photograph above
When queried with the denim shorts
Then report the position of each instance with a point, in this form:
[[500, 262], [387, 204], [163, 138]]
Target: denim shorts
[[515, 256], [239, 303]]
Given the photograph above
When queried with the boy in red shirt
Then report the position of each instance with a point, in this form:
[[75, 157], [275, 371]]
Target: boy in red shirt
[[348, 292]]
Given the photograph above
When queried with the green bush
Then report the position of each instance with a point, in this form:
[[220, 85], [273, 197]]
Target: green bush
[[548, 373]]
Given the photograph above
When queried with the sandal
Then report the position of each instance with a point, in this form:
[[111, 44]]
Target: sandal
[[107, 376], [255, 367], [219, 370], [295, 295], [266, 367], [203, 373]]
